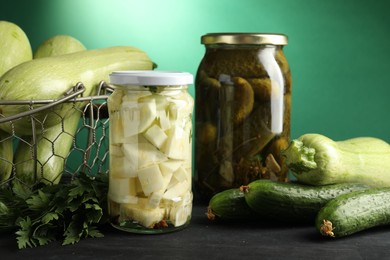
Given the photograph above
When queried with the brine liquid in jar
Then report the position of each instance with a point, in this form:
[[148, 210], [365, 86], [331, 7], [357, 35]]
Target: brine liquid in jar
[[150, 172], [242, 111]]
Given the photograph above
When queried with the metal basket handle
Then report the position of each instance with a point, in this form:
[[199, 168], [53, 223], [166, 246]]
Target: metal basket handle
[[73, 92]]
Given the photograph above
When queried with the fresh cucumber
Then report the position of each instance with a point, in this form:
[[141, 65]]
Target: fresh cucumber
[[290, 201], [354, 212], [229, 204]]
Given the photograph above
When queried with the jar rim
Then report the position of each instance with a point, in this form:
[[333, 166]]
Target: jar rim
[[150, 78], [245, 38]]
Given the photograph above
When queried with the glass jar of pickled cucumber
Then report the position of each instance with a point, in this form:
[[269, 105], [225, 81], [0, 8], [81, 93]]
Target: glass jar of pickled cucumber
[[150, 174], [242, 111]]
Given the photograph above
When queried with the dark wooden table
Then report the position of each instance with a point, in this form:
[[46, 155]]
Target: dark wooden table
[[203, 239]]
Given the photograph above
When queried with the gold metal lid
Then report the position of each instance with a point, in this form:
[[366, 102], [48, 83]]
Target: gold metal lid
[[244, 38]]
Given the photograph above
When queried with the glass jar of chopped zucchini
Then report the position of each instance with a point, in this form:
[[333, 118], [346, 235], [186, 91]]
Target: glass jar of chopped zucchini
[[150, 151]]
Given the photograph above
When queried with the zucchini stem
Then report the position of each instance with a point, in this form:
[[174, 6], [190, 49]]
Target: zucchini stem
[[299, 158]]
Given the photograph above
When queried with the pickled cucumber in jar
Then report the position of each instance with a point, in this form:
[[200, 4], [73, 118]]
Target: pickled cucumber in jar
[[150, 175], [242, 112]]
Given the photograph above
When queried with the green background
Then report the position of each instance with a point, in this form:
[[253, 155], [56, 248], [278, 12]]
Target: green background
[[339, 51]]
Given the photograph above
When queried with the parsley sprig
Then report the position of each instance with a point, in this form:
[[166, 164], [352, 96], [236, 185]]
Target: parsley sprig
[[67, 211]]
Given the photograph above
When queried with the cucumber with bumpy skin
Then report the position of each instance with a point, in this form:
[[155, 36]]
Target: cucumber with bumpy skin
[[229, 205], [293, 202], [354, 212]]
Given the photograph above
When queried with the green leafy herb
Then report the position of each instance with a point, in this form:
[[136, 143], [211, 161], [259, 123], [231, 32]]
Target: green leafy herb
[[66, 211]]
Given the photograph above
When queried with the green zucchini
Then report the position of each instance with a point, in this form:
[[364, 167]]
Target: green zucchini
[[229, 205], [315, 159], [51, 77], [15, 47], [288, 201], [6, 156], [54, 143], [354, 212], [52, 149], [58, 45]]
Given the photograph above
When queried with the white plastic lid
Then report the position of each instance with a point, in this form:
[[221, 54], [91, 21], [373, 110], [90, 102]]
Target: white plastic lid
[[151, 78]]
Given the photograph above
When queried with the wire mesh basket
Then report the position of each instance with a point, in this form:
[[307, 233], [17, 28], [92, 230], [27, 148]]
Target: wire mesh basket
[[46, 153]]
